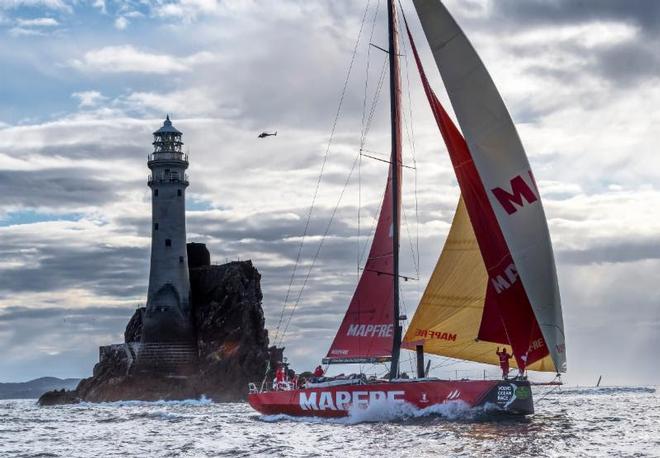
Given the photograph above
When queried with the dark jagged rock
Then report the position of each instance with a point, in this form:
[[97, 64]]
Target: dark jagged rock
[[133, 332], [198, 255], [57, 397], [229, 320], [231, 340], [137, 387]]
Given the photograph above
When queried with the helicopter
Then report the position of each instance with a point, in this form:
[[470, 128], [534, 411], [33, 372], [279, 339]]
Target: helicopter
[[266, 134]]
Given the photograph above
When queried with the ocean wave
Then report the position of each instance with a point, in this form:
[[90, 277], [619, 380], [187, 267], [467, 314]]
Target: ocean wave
[[606, 390], [203, 401], [382, 411]]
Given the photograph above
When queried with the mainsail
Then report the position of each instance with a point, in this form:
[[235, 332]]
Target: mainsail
[[516, 293], [368, 332]]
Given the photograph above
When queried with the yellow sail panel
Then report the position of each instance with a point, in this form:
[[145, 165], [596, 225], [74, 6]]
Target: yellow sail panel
[[542, 365]]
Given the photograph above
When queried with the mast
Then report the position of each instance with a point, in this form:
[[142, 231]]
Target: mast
[[395, 116]]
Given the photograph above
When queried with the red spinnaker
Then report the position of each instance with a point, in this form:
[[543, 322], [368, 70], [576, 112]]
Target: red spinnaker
[[508, 316]]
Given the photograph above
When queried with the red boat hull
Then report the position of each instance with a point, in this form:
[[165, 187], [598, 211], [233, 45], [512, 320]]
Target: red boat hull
[[513, 397]]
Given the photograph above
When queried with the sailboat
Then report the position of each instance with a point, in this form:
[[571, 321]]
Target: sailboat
[[495, 283]]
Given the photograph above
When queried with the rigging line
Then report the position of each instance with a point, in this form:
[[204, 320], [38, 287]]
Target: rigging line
[[412, 249], [376, 94], [357, 254], [368, 126], [383, 160], [366, 80], [363, 136], [372, 110], [547, 393], [318, 250], [449, 361], [325, 160], [411, 134], [371, 233]]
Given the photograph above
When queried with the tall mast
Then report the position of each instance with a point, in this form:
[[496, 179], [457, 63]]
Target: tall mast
[[395, 115]]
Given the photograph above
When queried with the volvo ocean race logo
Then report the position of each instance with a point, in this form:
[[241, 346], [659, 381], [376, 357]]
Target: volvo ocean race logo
[[343, 400], [506, 394]]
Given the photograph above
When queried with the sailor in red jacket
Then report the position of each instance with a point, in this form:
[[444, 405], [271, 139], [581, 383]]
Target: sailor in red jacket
[[504, 361], [318, 372], [280, 376]]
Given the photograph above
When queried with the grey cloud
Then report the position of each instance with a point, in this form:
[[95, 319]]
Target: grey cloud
[[70, 334], [629, 62], [54, 187], [112, 271], [612, 251], [119, 150], [531, 13], [9, 314], [621, 63]]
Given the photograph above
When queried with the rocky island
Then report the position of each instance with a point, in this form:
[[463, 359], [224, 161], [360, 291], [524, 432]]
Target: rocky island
[[231, 340], [202, 329]]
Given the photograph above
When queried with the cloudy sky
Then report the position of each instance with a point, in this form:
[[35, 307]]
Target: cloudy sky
[[84, 83]]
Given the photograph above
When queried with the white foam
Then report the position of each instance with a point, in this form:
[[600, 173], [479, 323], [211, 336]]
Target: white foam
[[387, 411], [203, 401]]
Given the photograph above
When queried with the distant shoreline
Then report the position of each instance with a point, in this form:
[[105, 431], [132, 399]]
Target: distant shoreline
[[33, 389]]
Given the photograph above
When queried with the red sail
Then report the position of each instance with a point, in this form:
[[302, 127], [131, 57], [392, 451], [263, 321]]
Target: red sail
[[367, 330], [508, 316]]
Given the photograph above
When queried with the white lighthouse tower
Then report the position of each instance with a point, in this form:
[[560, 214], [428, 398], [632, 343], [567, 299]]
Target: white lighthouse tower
[[167, 333]]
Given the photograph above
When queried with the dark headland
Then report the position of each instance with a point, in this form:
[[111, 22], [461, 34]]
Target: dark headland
[[231, 342]]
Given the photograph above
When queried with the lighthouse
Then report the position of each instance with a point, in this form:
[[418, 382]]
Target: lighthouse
[[167, 340]]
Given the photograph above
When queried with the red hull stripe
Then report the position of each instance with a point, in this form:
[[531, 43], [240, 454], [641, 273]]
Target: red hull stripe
[[337, 401]]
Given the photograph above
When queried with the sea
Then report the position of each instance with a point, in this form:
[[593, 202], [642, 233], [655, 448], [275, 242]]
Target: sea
[[607, 421]]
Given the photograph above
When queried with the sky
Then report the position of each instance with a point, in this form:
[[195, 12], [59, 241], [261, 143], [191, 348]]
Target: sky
[[85, 83]]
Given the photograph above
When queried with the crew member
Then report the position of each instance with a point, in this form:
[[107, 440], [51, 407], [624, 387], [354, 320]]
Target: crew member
[[504, 361], [318, 372], [280, 376]]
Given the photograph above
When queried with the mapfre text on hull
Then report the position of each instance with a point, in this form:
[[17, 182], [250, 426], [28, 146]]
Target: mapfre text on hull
[[505, 396]]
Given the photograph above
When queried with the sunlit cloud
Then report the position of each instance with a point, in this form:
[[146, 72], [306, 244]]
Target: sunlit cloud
[[128, 59]]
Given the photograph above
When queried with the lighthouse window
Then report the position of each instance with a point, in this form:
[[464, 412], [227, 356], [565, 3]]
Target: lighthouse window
[[178, 192], [181, 259], [155, 226], [156, 192], [168, 242]]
